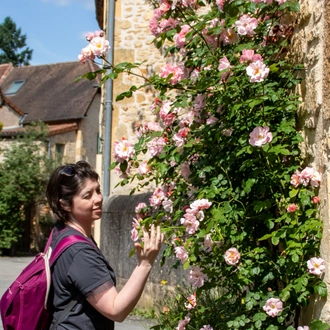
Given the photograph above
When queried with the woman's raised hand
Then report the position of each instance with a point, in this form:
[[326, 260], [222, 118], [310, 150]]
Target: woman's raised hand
[[148, 251]]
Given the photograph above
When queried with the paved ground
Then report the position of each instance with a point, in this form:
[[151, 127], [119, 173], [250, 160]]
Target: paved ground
[[10, 268]]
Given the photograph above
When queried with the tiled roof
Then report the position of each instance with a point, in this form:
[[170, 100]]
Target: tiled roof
[[99, 12], [4, 99], [50, 93], [53, 129], [62, 128]]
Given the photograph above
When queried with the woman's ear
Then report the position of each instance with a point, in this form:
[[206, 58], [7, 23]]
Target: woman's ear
[[65, 206]]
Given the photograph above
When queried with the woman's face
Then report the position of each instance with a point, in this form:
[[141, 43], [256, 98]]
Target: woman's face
[[87, 203]]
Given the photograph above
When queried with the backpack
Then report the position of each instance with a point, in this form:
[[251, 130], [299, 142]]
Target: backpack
[[25, 303]]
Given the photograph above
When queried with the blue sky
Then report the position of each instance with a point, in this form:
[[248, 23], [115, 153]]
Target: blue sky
[[55, 29]]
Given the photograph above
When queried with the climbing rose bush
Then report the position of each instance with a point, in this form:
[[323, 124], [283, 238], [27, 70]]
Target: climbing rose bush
[[237, 202]]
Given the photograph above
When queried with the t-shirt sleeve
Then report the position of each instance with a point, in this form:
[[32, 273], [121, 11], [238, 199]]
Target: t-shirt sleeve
[[89, 270]]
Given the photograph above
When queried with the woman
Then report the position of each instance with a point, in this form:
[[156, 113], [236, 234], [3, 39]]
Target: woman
[[81, 273]]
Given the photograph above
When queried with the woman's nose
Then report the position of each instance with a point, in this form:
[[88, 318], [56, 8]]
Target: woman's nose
[[98, 198]]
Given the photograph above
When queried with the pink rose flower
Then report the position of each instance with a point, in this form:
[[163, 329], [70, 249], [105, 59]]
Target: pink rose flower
[[208, 243], [191, 302], [180, 38], [144, 168], [123, 150], [167, 24], [292, 208], [168, 205], [295, 179], [199, 102], [134, 234], [164, 6], [185, 170], [273, 306], [220, 4], [206, 327], [86, 54], [189, 3], [211, 121], [305, 327], [196, 277], [157, 197], [98, 33], [140, 207], [248, 56], [260, 136], [165, 113], [305, 175], [181, 253], [232, 256], [246, 25], [191, 223], [100, 46], [316, 199], [156, 146], [228, 36], [153, 126], [257, 71], [224, 64], [134, 231], [315, 179], [182, 323], [177, 72], [316, 266], [200, 204]]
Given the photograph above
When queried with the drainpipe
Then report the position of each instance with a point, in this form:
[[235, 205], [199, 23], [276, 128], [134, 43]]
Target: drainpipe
[[108, 102]]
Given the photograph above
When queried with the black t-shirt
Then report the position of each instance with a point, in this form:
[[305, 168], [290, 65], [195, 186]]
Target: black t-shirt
[[80, 270]]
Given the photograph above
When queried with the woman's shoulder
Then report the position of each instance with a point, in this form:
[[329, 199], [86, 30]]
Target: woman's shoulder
[[61, 231]]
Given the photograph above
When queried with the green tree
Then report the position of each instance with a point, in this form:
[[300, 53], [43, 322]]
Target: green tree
[[23, 175], [12, 43]]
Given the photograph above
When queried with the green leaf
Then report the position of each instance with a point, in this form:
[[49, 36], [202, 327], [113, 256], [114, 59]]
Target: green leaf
[[321, 289], [319, 325], [293, 192], [295, 257], [275, 240]]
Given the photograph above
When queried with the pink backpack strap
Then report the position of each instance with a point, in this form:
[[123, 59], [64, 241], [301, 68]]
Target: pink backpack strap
[[49, 241], [64, 243]]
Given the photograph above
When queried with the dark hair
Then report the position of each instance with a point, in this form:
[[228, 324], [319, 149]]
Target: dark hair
[[65, 182]]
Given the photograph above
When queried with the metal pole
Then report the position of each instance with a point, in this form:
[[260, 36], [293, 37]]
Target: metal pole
[[108, 102]]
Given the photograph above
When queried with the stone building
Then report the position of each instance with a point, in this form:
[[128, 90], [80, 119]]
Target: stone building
[[69, 109], [311, 47]]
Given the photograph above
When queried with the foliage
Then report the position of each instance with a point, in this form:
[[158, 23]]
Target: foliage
[[23, 175], [12, 43], [237, 207]]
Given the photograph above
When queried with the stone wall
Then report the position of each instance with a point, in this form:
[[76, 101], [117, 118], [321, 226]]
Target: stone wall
[[311, 46], [133, 43], [9, 117], [116, 244]]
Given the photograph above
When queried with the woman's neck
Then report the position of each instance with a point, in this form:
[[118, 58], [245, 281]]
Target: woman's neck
[[85, 230]]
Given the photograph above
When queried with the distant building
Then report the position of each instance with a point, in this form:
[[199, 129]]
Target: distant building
[[49, 93]]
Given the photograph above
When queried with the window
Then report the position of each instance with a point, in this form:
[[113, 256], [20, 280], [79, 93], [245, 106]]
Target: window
[[59, 152], [15, 86]]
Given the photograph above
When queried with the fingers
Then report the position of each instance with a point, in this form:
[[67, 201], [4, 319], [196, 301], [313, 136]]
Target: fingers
[[160, 237], [151, 241]]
